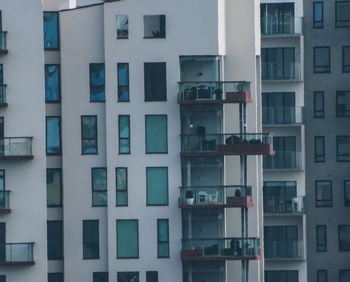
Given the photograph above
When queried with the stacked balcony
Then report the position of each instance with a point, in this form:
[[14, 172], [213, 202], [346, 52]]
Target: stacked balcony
[[277, 116], [278, 205], [16, 148], [16, 254], [275, 26], [3, 45], [284, 250], [4, 201]]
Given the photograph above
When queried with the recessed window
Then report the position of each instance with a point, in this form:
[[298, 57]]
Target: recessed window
[[88, 135], [53, 187], [151, 276], [322, 276], [155, 82], [343, 148], [321, 238], [154, 26], [124, 134], [322, 59], [344, 238], [127, 239], [342, 13], [97, 82], [3, 278], [52, 83], [123, 82], [54, 277], [343, 103], [318, 104], [128, 277], [122, 27], [281, 275], [99, 186], [53, 136], [54, 240], [157, 186], [51, 34], [91, 241], [122, 186], [344, 275], [347, 193], [323, 193], [346, 59], [156, 134], [100, 277], [318, 14], [163, 238], [319, 149]]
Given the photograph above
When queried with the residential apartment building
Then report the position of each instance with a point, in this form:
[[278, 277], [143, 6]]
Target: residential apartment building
[[327, 93], [282, 54], [124, 102]]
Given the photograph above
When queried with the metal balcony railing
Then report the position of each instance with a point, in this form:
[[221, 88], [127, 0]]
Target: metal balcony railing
[[3, 46], [284, 205], [281, 71], [4, 200], [284, 249], [273, 25], [3, 93], [283, 160], [16, 147], [12, 253], [282, 115]]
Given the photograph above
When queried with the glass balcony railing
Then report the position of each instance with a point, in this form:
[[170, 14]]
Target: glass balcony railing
[[284, 205], [3, 46], [281, 71], [220, 248], [282, 115], [213, 195], [3, 93], [212, 90], [283, 160], [272, 25], [12, 253], [284, 249], [12, 147], [4, 200]]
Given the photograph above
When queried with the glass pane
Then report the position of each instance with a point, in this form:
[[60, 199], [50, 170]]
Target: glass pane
[[342, 13], [52, 83], [155, 81], [100, 277], [89, 127], [99, 179], [55, 277], [99, 198], [154, 26], [89, 146], [318, 104], [122, 27], [122, 198], [128, 277], [163, 235], [50, 30], [124, 131], [53, 185], [2, 180], [123, 82], [318, 12], [124, 146], [157, 186], [54, 240], [90, 239], [346, 193], [97, 82], [151, 276], [156, 134], [346, 59], [322, 59], [127, 239], [344, 275], [322, 276], [343, 148], [53, 136], [344, 237], [163, 249], [121, 174]]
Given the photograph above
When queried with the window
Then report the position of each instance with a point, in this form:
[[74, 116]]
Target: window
[[122, 27], [127, 239], [322, 59], [122, 186], [346, 58], [279, 195], [342, 13], [286, 155], [99, 186], [346, 193], [344, 238], [128, 277], [281, 276], [154, 26], [279, 108], [157, 186], [54, 240], [156, 134], [52, 83], [88, 135], [51, 30], [124, 134], [277, 18], [322, 276], [53, 136], [343, 148], [344, 275], [97, 82], [3, 278], [55, 277], [319, 149], [151, 276], [321, 238], [281, 241], [123, 82], [163, 238], [318, 104], [318, 14], [100, 276], [91, 245], [155, 82], [278, 64], [343, 104], [53, 187], [323, 193]]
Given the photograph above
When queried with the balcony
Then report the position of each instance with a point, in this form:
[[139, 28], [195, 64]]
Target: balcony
[[283, 160], [284, 250], [281, 71], [215, 197], [3, 102], [16, 254], [214, 92], [16, 148], [284, 205], [194, 145], [282, 115], [5, 201], [272, 26], [221, 249], [3, 47]]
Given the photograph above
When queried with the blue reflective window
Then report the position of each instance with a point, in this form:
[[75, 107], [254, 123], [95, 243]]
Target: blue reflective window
[[157, 185], [127, 239], [122, 186], [53, 135], [318, 14], [51, 30], [91, 241], [163, 238], [97, 82], [52, 83], [53, 187], [55, 277], [89, 134], [123, 82], [100, 277], [156, 134], [124, 134], [99, 186], [54, 240]]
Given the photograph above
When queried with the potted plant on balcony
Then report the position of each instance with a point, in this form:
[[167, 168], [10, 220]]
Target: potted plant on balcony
[[189, 197]]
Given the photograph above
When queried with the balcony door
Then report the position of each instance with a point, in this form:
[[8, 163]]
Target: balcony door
[[278, 63], [278, 196], [278, 108], [277, 18], [2, 241], [285, 148], [281, 241]]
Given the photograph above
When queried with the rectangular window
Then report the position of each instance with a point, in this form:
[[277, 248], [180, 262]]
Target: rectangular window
[[323, 193], [128, 277], [52, 84], [342, 13], [344, 275], [122, 186], [318, 14], [277, 18], [127, 239], [286, 155], [53, 136], [318, 104], [279, 196], [281, 241], [279, 108], [51, 34], [154, 26], [343, 148], [281, 276], [343, 103], [88, 135], [346, 193], [321, 238], [55, 277], [54, 240], [344, 238], [122, 27], [322, 276], [91, 241], [319, 149], [157, 186], [163, 238], [97, 82], [124, 134], [155, 82], [99, 187], [53, 187], [156, 134], [151, 276], [3, 278], [123, 82], [346, 58], [322, 59], [100, 277]]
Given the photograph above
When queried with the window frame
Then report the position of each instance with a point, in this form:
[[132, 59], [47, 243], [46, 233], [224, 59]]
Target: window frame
[[57, 30], [61, 256], [104, 82], [159, 242], [94, 190], [336, 15], [59, 153], [166, 133], [337, 143], [321, 247], [59, 84], [83, 139], [321, 271], [98, 241], [329, 59], [328, 200], [160, 36], [343, 63], [323, 155], [124, 190], [61, 190], [120, 86], [339, 245], [322, 113], [313, 15], [167, 201], [138, 238]]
